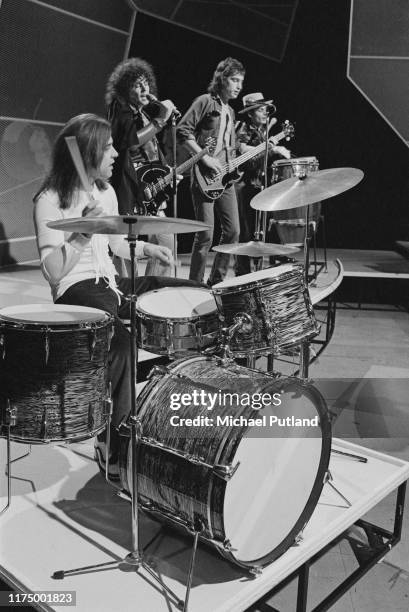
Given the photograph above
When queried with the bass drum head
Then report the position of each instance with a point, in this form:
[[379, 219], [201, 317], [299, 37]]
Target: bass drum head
[[276, 487]]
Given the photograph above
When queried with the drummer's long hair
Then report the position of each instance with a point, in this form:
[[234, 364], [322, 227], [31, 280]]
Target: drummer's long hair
[[92, 134]]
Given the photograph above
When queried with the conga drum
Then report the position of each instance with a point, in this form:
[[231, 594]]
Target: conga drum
[[290, 223]]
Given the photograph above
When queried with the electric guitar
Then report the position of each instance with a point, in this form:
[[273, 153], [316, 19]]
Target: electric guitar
[[212, 187], [154, 178]]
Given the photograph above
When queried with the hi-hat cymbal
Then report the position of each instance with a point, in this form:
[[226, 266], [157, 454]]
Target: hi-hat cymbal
[[315, 187], [120, 225], [255, 249]]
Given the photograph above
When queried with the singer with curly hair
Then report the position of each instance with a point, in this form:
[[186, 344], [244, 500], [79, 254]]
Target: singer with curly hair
[[136, 117]]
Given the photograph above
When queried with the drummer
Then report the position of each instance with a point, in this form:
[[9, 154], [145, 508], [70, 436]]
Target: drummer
[[250, 133], [78, 266]]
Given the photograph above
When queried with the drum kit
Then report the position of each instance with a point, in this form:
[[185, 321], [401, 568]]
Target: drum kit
[[227, 486]]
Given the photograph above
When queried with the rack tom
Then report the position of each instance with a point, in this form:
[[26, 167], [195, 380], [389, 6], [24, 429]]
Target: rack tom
[[278, 302]]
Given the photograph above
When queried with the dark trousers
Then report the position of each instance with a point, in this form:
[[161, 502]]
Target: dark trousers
[[245, 193], [227, 213], [88, 293]]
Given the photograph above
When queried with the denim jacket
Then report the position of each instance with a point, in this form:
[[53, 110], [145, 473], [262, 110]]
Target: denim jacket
[[202, 121]]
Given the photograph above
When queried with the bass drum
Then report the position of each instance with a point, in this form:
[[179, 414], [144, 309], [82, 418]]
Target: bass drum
[[252, 486], [290, 224]]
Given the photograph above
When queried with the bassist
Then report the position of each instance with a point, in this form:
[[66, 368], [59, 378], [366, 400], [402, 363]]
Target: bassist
[[210, 121]]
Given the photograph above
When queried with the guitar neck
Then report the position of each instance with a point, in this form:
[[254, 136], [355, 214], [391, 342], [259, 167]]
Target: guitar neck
[[183, 167], [241, 159]]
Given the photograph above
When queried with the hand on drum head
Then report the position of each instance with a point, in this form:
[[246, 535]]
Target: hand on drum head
[[159, 252]]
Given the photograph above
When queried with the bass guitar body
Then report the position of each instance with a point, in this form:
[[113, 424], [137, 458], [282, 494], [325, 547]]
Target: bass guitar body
[[212, 187]]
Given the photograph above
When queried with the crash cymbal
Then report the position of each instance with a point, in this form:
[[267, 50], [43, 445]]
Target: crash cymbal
[[120, 225], [315, 187], [255, 249]]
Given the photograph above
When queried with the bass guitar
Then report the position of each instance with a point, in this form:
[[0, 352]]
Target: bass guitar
[[154, 178], [212, 187]]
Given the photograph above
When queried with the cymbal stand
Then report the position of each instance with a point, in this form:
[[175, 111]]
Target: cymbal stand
[[261, 216], [305, 345], [135, 557], [11, 421], [174, 193]]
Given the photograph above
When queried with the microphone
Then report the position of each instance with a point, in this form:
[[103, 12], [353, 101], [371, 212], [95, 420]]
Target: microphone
[[176, 114]]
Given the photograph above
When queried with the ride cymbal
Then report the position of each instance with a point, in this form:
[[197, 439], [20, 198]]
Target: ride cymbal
[[314, 187], [119, 224], [255, 249]]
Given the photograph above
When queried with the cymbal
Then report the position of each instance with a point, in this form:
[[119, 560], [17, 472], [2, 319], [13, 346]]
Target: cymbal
[[255, 249], [119, 224], [315, 187]]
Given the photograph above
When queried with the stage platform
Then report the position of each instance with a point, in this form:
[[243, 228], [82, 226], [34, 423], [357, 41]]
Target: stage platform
[[25, 284], [370, 264], [64, 515]]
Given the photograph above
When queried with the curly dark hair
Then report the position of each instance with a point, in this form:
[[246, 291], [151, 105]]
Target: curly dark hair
[[124, 76], [92, 134], [224, 69]]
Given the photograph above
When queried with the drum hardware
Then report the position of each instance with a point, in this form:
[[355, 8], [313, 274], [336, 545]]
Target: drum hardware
[[222, 471], [47, 345], [108, 413], [10, 421], [146, 225], [328, 479], [359, 458], [241, 322]]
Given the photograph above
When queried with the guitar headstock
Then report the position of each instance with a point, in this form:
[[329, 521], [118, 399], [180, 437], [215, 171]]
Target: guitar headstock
[[288, 129]]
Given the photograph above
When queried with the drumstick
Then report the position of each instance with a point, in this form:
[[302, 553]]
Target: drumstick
[[75, 153]]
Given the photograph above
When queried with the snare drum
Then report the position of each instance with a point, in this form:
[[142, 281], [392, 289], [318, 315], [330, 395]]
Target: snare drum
[[54, 367], [176, 321], [278, 302], [291, 223], [251, 487]]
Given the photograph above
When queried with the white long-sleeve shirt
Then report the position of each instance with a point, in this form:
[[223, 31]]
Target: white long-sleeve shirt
[[94, 261]]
